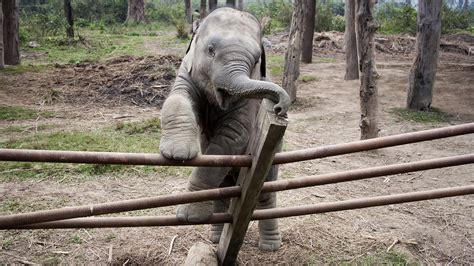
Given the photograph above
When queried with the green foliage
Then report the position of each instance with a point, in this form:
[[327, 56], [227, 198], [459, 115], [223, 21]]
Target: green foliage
[[433, 116], [279, 12], [395, 19], [453, 20], [39, 21], [328, 17], [167, 13], [11, 113], [104, 12]]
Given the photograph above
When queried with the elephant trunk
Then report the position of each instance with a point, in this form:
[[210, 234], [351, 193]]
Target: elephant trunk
[[244, 87]]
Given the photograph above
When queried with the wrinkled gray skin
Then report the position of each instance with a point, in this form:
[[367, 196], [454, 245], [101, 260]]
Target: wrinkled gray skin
[[212, 108]]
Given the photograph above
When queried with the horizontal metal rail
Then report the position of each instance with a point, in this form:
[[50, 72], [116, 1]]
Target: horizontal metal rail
[[228, 192], [229, 160], [98, 222]]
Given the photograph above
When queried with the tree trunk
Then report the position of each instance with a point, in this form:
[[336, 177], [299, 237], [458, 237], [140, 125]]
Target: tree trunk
[[69, 18], [292, 57], [11, 42], [240, 4], [212, 5], [408, 2], [136, 11], [460, 4], [352, 66], [188, 11], [2, 62], [423, 70], [230, 3], [466, 5], [202, 9], [308, 31], [365, 29]]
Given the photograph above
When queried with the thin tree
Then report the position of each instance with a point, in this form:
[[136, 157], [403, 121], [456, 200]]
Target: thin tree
[[365, 29], [202, 9], [230, 3], [423, 70], [2, 62], [136, 11], [188, 11], [465, 7], [308, 31], [292, 57], [240, 4], [11, 41], [350, 44], [212, 5], [69, 18]]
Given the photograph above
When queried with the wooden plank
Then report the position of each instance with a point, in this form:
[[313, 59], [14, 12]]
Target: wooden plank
[[268, 133]]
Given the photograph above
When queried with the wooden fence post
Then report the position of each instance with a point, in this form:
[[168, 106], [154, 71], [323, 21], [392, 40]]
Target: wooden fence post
[[268, 134]]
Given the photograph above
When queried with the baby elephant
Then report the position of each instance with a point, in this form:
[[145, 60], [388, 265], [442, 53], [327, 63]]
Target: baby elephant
[[212, 108]]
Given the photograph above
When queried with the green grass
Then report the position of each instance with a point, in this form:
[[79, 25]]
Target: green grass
[[276, 64], [378, 258], [20, 129], [308, 78], [381, 258], [10, 206], [141, 137], [23, 68], [11, 113], [433, 116], [97, 44]]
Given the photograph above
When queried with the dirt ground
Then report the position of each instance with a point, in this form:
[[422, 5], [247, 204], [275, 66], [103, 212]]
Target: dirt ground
[[327, 112]]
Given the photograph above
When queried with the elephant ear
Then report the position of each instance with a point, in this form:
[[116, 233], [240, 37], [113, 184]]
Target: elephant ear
[[263, 64], [188, 58]]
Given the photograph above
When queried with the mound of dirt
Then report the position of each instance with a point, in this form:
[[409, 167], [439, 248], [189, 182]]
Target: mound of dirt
[[139, 81]]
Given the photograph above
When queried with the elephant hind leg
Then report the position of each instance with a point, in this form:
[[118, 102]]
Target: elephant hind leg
[[270, 237]]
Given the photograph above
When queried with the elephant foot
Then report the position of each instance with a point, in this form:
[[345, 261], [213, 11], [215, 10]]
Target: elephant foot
[[195, 212], [216, 232], [270, 237], [270, 242]]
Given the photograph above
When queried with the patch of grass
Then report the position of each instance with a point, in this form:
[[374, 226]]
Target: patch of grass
[[11, 113], [276, 64], [20, 129], [308, 78], [433, 116], [276, 70], [6, 243], [148, 126], [16, 205], [97, 44], [142, 137], [23, 68], [75, 239], [380, 258]]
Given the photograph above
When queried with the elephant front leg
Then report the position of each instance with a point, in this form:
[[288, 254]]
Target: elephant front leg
[[179, 136]]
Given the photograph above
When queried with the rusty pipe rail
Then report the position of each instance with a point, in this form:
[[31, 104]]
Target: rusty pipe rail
[[258, 214], [229, 160], [228, 192]]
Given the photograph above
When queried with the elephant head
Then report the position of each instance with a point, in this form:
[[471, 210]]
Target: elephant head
[[226, 61]]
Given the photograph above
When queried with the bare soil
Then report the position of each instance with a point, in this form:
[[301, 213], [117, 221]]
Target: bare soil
[[327, 112]]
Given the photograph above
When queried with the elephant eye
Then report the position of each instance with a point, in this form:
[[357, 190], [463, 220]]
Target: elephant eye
[[210, 51]]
